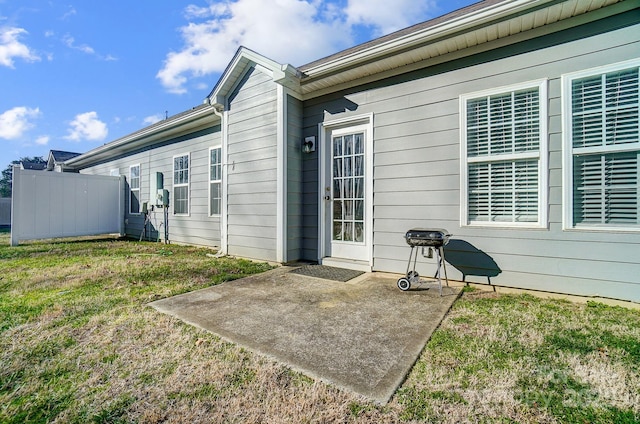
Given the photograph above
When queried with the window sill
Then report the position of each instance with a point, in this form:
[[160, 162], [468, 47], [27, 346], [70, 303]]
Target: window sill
[[505, 226], [602, 229]]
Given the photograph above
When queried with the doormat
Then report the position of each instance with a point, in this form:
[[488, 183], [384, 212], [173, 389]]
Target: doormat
[[327, 272]]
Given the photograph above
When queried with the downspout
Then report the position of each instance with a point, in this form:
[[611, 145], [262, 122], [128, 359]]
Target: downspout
[[225, 209]]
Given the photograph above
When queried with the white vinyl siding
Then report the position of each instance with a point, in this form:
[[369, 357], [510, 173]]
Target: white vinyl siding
[[602, 147], [504, 144], [215, 181], [181, 184], [134, 189]]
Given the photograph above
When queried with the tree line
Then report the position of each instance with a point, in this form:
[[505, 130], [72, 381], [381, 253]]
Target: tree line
[[7, 174]]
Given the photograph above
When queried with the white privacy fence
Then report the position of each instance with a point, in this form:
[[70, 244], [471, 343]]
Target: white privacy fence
[[53, 204]]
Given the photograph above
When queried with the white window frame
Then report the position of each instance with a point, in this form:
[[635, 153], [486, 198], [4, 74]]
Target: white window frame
[[541, 155], [568, 149], [176, 185], [215, 181], [134, 190]]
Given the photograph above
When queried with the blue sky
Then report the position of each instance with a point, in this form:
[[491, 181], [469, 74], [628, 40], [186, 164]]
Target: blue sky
[[77, 74]]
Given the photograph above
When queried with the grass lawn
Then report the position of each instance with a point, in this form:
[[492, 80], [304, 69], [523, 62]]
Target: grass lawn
[[78, 344]]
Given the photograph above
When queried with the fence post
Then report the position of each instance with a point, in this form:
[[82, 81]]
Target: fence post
[[121, 199], [15, 198]]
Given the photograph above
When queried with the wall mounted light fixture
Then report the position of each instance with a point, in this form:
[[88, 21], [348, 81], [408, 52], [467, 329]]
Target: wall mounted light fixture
[[309, 144]]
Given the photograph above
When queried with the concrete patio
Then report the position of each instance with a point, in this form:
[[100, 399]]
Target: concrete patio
[[363, 335]]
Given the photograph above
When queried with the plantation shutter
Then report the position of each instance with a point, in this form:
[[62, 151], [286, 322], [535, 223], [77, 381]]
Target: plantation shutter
[[504, 191], [500, 190], [605, 140]]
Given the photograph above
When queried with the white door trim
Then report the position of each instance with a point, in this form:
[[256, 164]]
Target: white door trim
[[324, 129]]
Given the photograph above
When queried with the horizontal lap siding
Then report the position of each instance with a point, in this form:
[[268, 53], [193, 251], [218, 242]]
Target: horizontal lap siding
[[252, 168], [417, 171], [198, 228]]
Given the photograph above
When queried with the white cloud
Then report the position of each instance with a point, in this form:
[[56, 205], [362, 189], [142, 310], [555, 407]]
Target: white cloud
[[71, 12], [70, 42], [150, 120], [11, 48], [43, 140], [17, 121], [87, 126], [291, 31]]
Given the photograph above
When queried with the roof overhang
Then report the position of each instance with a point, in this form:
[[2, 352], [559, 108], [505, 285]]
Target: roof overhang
[[460, 33], [184, 123]]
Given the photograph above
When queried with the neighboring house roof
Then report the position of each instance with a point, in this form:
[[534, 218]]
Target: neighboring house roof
[[61, 156], [36, 166], [57, 157], [174, 126]]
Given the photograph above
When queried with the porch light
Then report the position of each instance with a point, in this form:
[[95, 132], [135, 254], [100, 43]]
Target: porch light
[[309, 144]]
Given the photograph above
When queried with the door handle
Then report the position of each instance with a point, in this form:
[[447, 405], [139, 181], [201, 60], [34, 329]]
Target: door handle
[[327, 197]]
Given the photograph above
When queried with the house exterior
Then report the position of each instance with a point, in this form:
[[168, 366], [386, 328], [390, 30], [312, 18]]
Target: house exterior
[[512, 124], [56, 159], [36, 166]]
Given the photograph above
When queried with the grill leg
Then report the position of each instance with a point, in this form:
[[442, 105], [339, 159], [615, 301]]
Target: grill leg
[[444, 265], [415, 259], [438, 270], [409, 263]]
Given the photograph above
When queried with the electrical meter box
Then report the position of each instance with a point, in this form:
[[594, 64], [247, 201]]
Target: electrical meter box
[[165, 198], [156, 190]]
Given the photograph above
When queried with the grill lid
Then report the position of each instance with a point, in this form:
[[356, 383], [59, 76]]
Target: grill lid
[[427, 237]]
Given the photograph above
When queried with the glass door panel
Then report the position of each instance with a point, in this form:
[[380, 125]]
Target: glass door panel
[[348, 184]]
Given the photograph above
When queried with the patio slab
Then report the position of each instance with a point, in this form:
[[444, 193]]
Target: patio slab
[[363, 335]]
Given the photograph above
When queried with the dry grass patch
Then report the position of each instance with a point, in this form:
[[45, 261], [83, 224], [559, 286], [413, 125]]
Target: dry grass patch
[[78, 344]]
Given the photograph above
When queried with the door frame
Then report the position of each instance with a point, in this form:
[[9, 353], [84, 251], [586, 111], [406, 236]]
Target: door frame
[[324, 150]]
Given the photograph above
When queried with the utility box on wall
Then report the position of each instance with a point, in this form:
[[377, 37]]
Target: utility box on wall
[[156, 188]]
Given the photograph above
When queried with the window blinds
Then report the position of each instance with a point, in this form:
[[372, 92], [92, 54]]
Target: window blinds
[[606, 148], [502, 190]]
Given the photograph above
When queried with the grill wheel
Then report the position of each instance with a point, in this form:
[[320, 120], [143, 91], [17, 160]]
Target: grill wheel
[[404, 284]]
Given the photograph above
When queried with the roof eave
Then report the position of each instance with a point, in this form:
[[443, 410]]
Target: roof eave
[[166, 129], [456, 25]]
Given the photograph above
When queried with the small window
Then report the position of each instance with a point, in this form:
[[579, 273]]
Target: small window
[[602, 147], [181, 185], [134, 189], [503, 151], [215, 181]]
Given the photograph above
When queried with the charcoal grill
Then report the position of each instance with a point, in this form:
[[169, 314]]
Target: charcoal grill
[[429, 239]]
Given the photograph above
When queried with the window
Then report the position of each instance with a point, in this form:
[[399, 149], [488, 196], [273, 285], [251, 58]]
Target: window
[[602, 147], [503, 150], [181, 185], [215, 181], [134, 189]]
